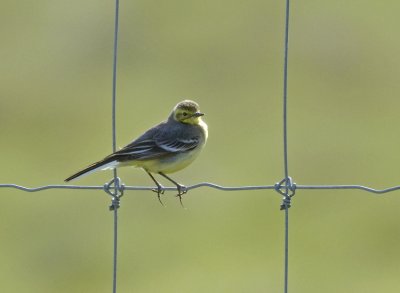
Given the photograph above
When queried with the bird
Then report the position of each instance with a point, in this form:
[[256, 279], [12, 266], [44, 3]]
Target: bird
[[168, 147]]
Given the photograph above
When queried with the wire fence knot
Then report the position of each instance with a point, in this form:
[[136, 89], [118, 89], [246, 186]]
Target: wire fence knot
[[287, 188], [115, 189]]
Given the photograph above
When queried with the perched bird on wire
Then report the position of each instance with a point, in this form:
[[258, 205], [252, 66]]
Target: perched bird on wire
[[166, 148]]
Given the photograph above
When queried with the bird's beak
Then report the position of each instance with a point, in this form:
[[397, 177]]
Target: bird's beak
[[198, 114]]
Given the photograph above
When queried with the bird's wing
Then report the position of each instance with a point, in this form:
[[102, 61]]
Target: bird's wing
[[156, 147], [178, 145]]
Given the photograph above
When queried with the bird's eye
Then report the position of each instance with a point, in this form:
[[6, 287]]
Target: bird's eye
[[184, 114]]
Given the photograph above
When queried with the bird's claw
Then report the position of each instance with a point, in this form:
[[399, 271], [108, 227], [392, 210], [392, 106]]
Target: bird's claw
[[181, 191], [159, 190]]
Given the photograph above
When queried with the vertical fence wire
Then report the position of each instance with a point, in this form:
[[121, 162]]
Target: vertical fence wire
[[115, 201], [114, 286], [285, 146], [114, 76]]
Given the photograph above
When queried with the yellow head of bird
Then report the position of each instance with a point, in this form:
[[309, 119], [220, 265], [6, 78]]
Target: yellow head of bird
[[187, 112]]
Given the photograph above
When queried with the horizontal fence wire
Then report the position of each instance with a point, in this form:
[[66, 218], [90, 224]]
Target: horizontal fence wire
[[207, 184]]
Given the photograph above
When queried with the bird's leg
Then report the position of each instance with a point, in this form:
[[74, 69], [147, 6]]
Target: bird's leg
[[181, 188], [160, 188]]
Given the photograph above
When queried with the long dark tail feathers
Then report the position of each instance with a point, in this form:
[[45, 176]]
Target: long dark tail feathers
[[94, 167]]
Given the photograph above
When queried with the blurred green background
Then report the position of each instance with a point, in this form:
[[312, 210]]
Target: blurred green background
[[55, 114]]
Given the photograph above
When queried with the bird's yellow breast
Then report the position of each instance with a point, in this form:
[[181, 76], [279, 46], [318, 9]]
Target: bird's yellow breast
[[169, 164]]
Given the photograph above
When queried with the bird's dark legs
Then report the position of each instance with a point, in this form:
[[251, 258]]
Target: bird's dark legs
[[159, 190], [181, 188]]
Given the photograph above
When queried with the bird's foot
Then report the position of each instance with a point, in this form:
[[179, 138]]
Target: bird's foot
[[181, 191], [159, 190]]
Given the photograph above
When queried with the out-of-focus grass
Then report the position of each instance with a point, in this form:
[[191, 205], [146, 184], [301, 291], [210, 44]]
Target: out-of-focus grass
[[55, 116]]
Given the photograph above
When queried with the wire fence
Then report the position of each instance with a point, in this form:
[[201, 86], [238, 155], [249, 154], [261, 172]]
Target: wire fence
[[285, 188], [277, 187]]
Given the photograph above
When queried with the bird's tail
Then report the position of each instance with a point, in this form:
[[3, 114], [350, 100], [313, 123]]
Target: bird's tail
[[107, 163]]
